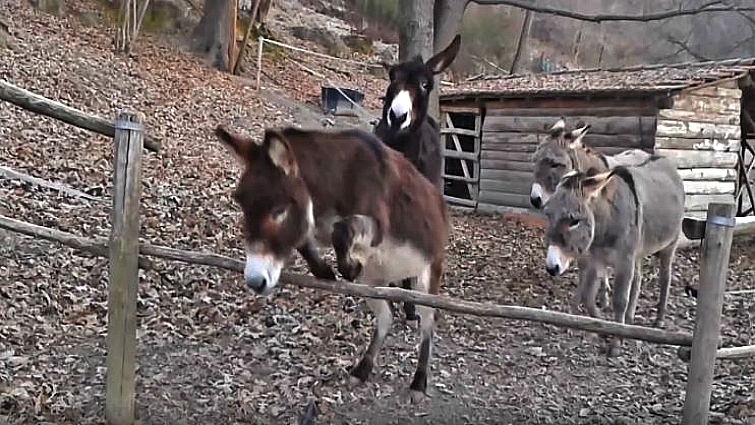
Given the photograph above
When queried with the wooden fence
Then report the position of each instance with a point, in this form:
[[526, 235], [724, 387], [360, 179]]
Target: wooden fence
[[126, 255]]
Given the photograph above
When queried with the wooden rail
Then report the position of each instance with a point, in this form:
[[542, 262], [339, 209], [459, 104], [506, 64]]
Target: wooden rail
[[43, 106], [565, 320]]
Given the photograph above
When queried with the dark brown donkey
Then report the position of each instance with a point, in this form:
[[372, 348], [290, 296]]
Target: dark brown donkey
[[298, 184], [405, 125]]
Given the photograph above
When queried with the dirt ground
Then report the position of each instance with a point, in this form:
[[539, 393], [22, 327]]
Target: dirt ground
[[209, 351]]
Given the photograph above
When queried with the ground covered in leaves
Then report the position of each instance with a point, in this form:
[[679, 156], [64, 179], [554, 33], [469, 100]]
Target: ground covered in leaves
[[211, 352]]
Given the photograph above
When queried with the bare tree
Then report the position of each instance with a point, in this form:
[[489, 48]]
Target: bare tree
[[416, 38], [215, 34]]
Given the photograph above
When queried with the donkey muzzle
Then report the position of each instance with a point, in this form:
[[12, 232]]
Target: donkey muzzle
[[557, 261]]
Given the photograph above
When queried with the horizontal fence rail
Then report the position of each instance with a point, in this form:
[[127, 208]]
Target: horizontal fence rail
[[98, 246]]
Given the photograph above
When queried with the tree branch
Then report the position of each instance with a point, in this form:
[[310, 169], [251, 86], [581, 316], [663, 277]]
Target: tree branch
[[710, 7]]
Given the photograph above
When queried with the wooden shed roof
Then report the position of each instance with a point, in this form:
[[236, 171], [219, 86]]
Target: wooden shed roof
[[648, 79]]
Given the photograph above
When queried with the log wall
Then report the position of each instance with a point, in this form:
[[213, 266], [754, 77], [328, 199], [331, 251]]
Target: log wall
[[510, 137], [702, 133]]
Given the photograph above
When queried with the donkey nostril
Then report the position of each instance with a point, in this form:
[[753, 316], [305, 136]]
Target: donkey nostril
[[552, 270], [257, 283]]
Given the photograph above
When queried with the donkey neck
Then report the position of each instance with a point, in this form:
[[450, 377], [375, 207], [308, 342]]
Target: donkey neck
[[583, 159]]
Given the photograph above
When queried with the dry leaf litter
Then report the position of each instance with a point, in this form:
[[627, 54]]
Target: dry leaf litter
[[208, 350]]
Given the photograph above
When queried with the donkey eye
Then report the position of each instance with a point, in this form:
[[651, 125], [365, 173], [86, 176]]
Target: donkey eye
[[574, 223], [279, 214], [425, 85]]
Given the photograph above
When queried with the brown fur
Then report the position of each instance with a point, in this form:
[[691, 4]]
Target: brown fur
[[343, 174]]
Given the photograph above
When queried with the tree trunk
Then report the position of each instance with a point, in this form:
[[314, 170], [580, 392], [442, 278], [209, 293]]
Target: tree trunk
[[215, 35], [516, 64], [448, 16]]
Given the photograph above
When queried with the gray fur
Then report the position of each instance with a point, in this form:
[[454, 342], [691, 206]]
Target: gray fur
[[615, 219], [561, 152]]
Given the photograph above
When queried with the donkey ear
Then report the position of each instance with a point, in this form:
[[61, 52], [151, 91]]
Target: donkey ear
[[240, 146], [558, 128], [595, 183], [280, 152], [443, 59], [577, 135]]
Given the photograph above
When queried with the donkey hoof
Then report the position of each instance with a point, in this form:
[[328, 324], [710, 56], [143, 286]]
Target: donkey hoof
[[355, 382], [362, 370], [659, 323], [324, 272], [614, 351], [417, 397]]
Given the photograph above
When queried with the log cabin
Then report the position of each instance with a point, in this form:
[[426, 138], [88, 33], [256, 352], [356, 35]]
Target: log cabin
[[700, 113]]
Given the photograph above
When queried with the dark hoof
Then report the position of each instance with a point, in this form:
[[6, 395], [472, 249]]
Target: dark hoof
[[419, 383], [614, 351], [324, 272], [659, 323], [410, 311], [362, 370], [417, 397]]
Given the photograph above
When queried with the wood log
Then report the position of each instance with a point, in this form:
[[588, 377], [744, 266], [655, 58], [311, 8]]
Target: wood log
[[494, 164], [11, 174], [712, 105], [508, 138], [491, 174], [727, 118], [522, 186], [629, 141], [43, 106], [615, 150], [697, 130], [600, 125], [599, 326], [706, 144], [507, 199], [701, 202], [699, 187], [719, 92], [510, 147], [700, 159], [742, 352], [712, 174], [714, 265], [588, 113], [586, 105], [506, 155]]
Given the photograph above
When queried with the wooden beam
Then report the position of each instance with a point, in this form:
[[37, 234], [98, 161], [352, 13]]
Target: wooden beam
[[714, 265], [43, 106], [647, 103], [608, 111], [745, 351], [124, 271], [15, 175], [603, 327]]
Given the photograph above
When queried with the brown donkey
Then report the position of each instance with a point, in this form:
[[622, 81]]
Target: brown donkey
[[390, 222]]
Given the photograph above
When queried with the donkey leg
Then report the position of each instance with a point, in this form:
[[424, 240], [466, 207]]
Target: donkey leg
[[317, 265], [634, 293], [383, 321], [604, 298], [410, 309], [621, 292], [418, 386], [666, 257], [578, 296], [590, 288]]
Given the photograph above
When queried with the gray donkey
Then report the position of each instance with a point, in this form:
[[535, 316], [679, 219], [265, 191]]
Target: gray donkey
[[614, 219], [563, 151]]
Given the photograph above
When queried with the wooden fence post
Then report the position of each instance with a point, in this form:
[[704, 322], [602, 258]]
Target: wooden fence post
[[714, 263], [124, 272]]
